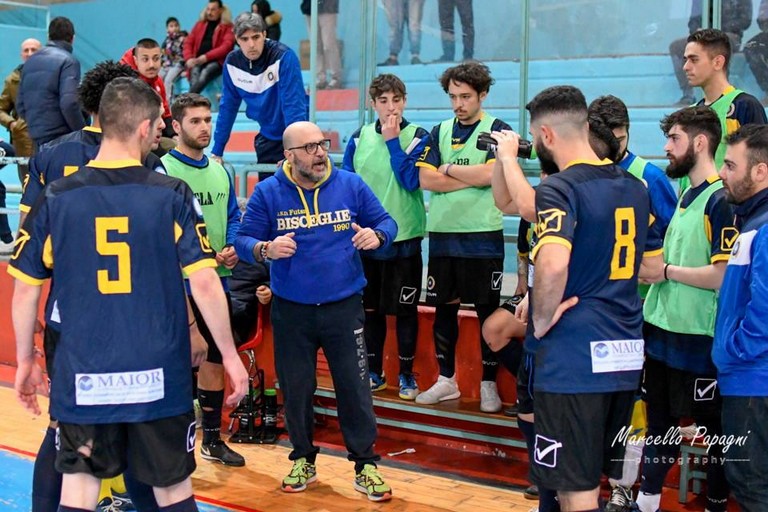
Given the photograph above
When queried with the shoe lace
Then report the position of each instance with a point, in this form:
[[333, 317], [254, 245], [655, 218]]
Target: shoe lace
[[407, 381], [620, 496], [372, 475], [299, 467]]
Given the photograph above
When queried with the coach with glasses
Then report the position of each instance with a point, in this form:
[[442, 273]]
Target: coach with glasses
[[311, 220]]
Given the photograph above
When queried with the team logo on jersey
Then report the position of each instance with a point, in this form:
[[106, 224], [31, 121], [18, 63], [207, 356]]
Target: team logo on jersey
[[85, 383], [205, 244], [430, 282], [736, 247], [704, 390], [407, 295], [271, 76], [191, 437], [549, 221], [728, 236], [601, 350], [545, 451], [496, 278]]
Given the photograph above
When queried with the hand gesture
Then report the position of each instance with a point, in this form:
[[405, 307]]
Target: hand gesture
[[264, 294], [365, 239], [227, 257], [283, 246], [390, 129], [507, 143]]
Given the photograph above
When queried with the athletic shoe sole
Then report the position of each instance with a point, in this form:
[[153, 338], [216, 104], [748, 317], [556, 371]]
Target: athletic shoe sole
[[290, 489], [211, 458], [383, 497]]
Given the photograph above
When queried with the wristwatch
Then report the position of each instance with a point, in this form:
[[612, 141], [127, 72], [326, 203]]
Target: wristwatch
[[380, 236]]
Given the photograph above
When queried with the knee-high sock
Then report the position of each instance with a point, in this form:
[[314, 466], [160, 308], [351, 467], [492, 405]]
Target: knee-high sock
[[407, 333], [210, 403], [375, 334], [490, 363], [142, 495], [46, 481], [446, 332]]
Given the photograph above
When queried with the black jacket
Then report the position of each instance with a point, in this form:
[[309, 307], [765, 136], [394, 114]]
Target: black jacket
[[736, 16]]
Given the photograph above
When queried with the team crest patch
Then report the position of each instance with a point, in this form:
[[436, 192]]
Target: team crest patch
[[704, 390], [407, 295], [496, 278], [545, 451], [728, 237], [549, 221], [191, 437], [430, 283]]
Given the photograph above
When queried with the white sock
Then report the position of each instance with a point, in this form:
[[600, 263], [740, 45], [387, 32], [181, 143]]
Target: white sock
[[648, 502]]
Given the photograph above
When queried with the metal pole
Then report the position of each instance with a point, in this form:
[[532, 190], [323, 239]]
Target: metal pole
[[705, 18], [313, 26], [524, 54], [717, 14]]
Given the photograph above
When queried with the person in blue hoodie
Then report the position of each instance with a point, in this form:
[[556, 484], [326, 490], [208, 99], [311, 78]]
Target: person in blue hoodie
[[312, 220], [266, 75], [740, 348]]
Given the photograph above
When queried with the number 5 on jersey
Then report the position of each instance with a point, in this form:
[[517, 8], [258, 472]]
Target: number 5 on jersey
[[121, 250]]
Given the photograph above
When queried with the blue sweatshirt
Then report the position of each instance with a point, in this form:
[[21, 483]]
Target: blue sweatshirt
[[326, 266], [740, 348], [271, 87], [663, 197]]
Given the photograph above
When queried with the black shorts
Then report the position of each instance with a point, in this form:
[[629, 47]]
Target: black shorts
[[679, 393], [160, 453], [471, 280], [525, 374], [394, 286], [214, 356], [576, 438]]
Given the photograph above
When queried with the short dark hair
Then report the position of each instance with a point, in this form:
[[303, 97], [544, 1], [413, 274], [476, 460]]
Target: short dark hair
[[185, 101], [147, 43], [559, 99], [601, 138], [386, 82], [695, 121], [125, 104], [170, 20], [610, 110], [475, 74], [221, 5], [715, 42], [94, 81], [61, 29], [755, 136]]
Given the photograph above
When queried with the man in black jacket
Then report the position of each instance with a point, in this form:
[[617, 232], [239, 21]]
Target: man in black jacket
[[736, 18], [48, 91]]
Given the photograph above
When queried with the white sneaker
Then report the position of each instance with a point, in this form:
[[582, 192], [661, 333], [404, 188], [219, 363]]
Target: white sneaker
[[444, 389], [489, 397], [6, 249]]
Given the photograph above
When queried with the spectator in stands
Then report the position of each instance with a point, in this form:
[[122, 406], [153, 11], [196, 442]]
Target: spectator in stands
[[679, 311], [6, 235], [47, 98], [466, 239], [173, 56], [756, 51], [271, 17], [318, 280], [328, 51], [576, 312], [707, 56], [384, 154], [273, 99], [739, 349], [447, 31], [213, 187], [736, 18], [17, 127], [145, 58], [399, 14], [208, 44]]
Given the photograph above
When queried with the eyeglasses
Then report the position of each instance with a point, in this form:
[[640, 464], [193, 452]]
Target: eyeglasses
[[311, 147]]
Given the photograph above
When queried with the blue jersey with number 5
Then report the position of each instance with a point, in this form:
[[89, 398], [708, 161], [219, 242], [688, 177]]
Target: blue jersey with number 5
[[602, 215], [115, 240]]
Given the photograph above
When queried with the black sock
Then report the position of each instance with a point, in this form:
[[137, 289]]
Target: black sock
[[526, 428], [210, 403], [46, 481], [510, 356], [407, 333], [64, 508], [446, 332], [142, 495], [490, 363], [187, 505], [375, 334], [548, 501], [360, 465]]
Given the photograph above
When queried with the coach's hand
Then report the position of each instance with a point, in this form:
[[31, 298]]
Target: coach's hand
[[541, 330], [365, 239], [284, 246], [238, 378], [264, 294]]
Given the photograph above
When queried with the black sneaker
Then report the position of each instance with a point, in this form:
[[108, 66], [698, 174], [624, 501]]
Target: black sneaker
[[531, 493], [218, 451], [391, 61], [621, 500], [511, 411]]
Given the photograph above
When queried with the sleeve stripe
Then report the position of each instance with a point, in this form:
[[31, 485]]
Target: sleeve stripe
[[717, 258], [652, 253], [21, 276], [426, 165], [551, 239], [24, 208], [199, 265]]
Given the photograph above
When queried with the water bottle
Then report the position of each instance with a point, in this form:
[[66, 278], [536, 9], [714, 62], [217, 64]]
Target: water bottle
[[269, 410]]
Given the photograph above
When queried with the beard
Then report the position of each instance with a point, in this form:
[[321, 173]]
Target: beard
[[306, 172], [546, 160], [680, 167], [737, 193], [192, 143]]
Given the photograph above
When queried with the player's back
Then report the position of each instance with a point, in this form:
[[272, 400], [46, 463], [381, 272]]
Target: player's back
[[116, 239], [604, 221]]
